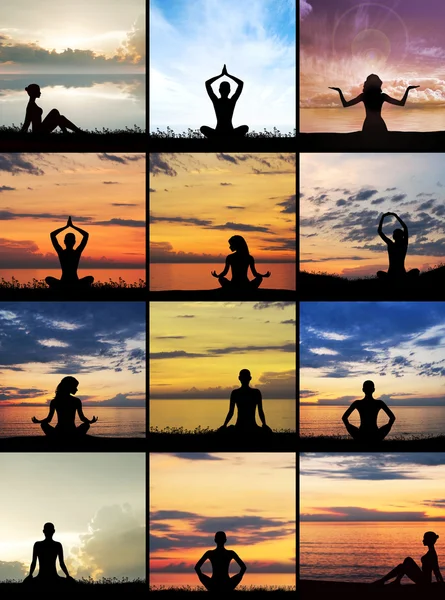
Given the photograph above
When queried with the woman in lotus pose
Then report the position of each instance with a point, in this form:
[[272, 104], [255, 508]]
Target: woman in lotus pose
[[397, 250], [220, 558], [69, 259], [66, 406], [411, 569], [52, 120], [224, 108], [239, 262], [373, 99], [368, 409]]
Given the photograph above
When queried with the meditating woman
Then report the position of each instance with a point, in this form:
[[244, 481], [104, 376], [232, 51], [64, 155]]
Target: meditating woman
[[409, 567], [52, 120], [373, 99], [220, 558], [66, 406], [69, 258], [47, 552], [368, 409], [224, 108], [397, 250], [239, 262]]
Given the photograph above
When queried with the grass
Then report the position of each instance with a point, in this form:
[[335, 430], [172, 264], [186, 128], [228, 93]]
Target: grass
[[84, 586], [206, 440], [339, 443], [37, 289], [187, 589]]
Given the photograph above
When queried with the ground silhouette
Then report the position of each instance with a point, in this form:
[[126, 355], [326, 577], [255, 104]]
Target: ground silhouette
[[368, 409], [69, 258], [66, 406], [239, 262], [320, 590], [220, 558], [397, 250], [224, 107], [47, 552], [52, 120]]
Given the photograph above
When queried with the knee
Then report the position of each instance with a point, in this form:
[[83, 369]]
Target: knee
[[54, 112], [408, 561]]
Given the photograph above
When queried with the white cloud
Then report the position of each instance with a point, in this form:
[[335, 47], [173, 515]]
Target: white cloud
[[305, 9]]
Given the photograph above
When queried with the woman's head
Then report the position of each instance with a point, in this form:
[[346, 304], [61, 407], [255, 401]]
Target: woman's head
[[368, 387], [373, 83], [430, 538], [70, 240], [49, 529], [220, 537], [224, 89], [33, 90], [238, 243], [68, 385]]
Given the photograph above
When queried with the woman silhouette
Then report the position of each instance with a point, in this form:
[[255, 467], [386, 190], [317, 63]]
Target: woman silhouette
[[47, 552], [66, 406], [240, 261], [409, 567], [220, 558], [373, 99], [52, 120], [368, 409]]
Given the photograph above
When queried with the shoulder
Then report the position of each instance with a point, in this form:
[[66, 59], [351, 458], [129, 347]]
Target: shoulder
[[384, 96], [381, 403], [76, 400], [229, 257]]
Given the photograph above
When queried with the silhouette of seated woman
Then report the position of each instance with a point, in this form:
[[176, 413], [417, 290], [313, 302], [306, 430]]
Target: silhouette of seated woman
[[368, 409], [411, 569], [47, 552], [239, 262], [246, 400], [69, 258], [397, 250], [66, 406], [373, 99], [220, 558], [52, 120], [224, 108]]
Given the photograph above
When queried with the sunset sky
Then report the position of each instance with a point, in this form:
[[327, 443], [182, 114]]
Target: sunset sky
[[59, 36], [103, 193], [197, 349], [191, 41], [342, 197], [343, 41], [250, 496], [102, 344], [404, 486], [95, 501], [400, 346], [199, 201]]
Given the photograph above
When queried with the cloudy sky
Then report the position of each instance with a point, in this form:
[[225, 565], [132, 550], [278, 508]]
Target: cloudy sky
[[250, 496], [103, 193], [191, 41], [400, 346], [59, 36], [198, 201], [404, 486], [95, 501], [102, 344], [342, 197], [342, 42], [198, 348]]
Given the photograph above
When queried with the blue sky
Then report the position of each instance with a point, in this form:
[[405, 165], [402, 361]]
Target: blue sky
[[191, 41]]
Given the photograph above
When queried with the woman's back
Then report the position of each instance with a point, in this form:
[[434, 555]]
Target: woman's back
[[368, 411], [220, 559], [65, 407], [239, 263], [47, 552]]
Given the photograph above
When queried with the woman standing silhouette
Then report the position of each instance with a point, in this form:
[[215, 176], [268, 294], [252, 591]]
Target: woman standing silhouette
[[47, 552], [239, 262], [220, 558], [373, 99], [52, 120]]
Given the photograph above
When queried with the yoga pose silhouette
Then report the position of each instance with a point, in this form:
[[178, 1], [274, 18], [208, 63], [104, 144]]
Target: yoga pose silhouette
[[409, 567], [47, 552], [66, 406], [239, 262], [368, 409], [224, 108], [396, 250], [373, 99], [246, 400], [69, 259], [52, 120], [220, 558]]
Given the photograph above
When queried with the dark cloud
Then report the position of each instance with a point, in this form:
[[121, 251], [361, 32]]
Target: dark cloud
[[123, 204], [289, 322], [307, 393], [236, 207], [170, 337], [159, 165], [17, 163], [289, 347], [240, 227], [122, 223], [185, 221], [289, 205], [356, 513], [121, 159], [176, 354], [196, 456], [113, 183], [264, 305], [185, 316], [6, 188], [226, 184]]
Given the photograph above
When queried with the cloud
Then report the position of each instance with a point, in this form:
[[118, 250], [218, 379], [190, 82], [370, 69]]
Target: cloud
[[356, 513], [305, 9], [121, 159], [6, 188], [158, 165], [17, 163], [264, 305], [13, 570], [236, 207], [115, 183], [185, 221], [122, 223], [196, 456], [176, 354], [240, 227], [226, 184]]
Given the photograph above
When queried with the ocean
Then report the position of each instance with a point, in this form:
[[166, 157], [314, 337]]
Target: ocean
[[89, 101], [113, 421], [362, 551], [194, 276], [341, 120], [103, 275], [256, 579], [280, 414], [410, 420]]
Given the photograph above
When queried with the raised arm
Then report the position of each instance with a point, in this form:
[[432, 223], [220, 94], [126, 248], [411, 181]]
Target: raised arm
[[231, 410], [388, 411], [403, 100], [260, 409], [254, 271], [240, 84], [237, 559], [82, 417], [348, 412], [84, 234], [345, 102], [405, 228], [380, 229], [224, 272], [54, 234], [201, 561], [209, 82], [61, 561]]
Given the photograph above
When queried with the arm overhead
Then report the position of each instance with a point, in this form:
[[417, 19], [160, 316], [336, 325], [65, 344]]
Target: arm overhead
[[405, 228], [345, 102], [209, 82], [54, 234], [380, 229], [403, 100], [84, 234], [240, 84]]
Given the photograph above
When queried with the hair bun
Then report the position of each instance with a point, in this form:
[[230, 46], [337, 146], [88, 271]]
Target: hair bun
[[26, 88]]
